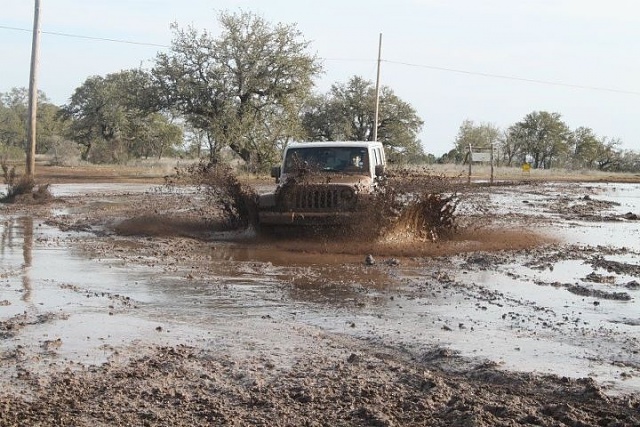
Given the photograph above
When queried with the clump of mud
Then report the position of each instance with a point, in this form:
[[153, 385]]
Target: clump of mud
[[23, 189], [416, 206], [227, 196]]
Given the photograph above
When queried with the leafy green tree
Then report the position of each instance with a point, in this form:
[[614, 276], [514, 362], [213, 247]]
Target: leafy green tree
[[114, 113], [608, 154], [323, 119], [628, 161], [512, 145], [479, 137], [347, 113], [14, 115], [13, 118], [96, 113], [245, 88], [152, 135], [585, 145], [452, 156], [543, 137]]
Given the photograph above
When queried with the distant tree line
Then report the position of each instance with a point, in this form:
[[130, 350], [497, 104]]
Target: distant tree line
[[543, 140], [249, 91]]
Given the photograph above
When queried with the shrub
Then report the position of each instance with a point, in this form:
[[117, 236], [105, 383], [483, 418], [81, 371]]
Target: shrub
[[22, 188], [64, 153]]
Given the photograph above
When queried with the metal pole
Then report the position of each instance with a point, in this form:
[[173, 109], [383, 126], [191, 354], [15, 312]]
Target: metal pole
[[377, 111], [33, 93]]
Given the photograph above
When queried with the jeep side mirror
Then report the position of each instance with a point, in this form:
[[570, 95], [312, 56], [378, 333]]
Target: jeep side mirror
[[379, 170], [275, 172]]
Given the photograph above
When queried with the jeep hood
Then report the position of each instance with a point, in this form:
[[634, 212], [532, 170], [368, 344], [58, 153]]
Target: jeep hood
[[332, 179]]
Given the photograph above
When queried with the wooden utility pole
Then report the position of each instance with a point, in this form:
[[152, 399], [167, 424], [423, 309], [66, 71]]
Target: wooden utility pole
[[33, 93], [377, 111]]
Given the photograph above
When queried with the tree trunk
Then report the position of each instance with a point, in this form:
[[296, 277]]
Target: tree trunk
[[85, 153]]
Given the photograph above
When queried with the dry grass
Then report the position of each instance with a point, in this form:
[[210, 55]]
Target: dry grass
[[154, 171], [503, 173]]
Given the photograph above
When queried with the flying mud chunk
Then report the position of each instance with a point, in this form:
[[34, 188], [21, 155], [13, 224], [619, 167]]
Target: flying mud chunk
[[430, 216], [235, 202]]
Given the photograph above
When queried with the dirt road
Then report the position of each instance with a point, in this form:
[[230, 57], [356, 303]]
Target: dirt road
[[126, 304]]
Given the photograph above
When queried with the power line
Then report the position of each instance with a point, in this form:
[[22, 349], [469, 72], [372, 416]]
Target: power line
[[520, 79], [77, 36], [407, 64]]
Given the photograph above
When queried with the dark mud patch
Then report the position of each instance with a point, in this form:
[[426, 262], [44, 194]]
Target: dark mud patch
[[596, 293], [616, 267], [463, 241], [589, 209], [168, 226], [183, 386], [10, 327], [599, 278]]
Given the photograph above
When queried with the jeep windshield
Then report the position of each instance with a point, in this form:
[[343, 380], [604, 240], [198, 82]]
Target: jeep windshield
[[353, 160]]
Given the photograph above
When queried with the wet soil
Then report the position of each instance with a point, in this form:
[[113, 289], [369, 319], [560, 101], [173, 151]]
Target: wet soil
[[135, 305]]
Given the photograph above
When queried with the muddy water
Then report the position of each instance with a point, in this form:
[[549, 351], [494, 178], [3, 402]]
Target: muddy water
[[55, 293], [514, 305]]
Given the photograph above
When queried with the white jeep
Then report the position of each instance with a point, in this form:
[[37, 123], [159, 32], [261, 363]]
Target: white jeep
[[322, 183]]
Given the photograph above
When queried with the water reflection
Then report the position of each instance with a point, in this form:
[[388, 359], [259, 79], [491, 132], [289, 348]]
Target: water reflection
[[27, 255], [14, 229]]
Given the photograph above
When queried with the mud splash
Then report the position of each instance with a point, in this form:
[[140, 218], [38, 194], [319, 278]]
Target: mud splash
[[226, 195], [411, 215], [418, 206]]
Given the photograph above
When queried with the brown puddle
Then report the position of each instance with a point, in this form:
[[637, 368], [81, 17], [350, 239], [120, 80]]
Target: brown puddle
[[332, 248], [199, 281]]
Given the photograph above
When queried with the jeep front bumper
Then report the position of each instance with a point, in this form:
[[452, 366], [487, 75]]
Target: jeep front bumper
[[306, 218]]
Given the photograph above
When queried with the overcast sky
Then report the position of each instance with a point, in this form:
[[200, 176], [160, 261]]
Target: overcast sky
[[490, 61]]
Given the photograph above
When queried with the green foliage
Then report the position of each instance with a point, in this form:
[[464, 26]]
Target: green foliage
[[347, 113], [453, 156], [243, 88], [478, 137], [111, 118], [585, 146], [12, 153], [64, 152], [13, 120], [541, 137]]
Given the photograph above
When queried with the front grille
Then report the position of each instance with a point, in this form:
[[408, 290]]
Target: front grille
[[316, 199], [319, 198]]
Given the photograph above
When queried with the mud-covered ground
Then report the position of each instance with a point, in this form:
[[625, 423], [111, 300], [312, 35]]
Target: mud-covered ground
[[127, 304]]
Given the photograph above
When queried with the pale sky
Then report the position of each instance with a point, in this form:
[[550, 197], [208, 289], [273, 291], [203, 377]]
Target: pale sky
[[485, 60]]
